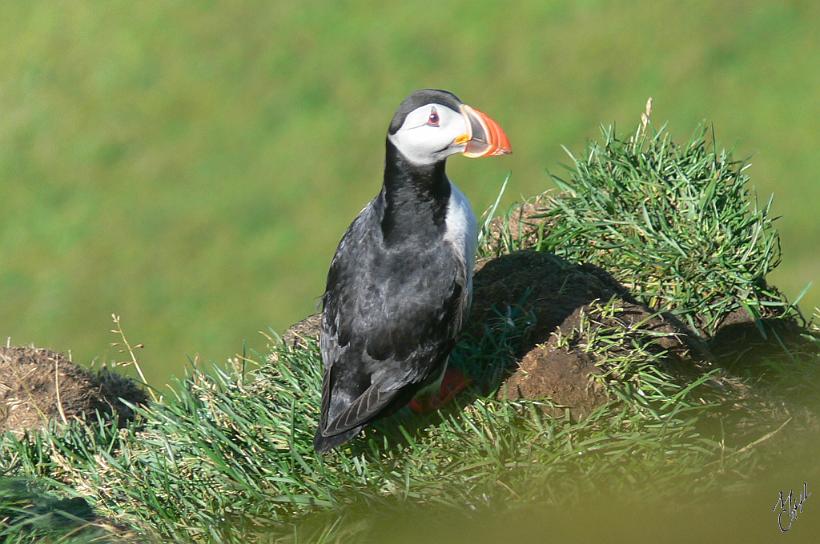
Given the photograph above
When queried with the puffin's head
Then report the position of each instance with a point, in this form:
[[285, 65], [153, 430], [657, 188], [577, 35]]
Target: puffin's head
[[430, 125]]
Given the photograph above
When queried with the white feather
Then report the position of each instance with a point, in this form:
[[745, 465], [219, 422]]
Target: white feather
[[461, 231]]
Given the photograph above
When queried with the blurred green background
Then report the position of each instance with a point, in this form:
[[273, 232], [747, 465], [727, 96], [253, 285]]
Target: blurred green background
[[192, 165]]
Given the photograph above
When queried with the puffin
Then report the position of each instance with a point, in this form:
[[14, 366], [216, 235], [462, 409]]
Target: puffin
[[399, 286]]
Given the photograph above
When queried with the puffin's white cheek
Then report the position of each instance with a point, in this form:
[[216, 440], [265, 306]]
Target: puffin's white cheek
[[422, 145]]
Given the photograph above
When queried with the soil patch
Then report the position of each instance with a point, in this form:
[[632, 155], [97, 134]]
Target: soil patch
[[563, 374], [740, 338], [560, 376], [551, 289], [38, 385]]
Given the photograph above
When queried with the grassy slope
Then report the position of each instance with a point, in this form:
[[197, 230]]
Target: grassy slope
[[170, 161], [230, 454]]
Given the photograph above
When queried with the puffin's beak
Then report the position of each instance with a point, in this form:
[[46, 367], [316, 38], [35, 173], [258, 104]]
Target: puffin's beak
[[484, 137]]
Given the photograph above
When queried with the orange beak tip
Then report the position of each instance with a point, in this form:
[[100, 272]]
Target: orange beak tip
[[491, 140]]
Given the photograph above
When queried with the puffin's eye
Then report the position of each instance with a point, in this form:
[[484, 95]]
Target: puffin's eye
[[433, 119]]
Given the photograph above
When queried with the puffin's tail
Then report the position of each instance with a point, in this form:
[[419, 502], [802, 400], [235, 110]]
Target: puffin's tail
[[324, 443]]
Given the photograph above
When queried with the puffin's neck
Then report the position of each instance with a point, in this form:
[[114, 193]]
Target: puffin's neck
[[415, 198]]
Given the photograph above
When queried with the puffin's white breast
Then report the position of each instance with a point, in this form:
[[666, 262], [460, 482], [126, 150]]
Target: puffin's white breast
[[461, 231]]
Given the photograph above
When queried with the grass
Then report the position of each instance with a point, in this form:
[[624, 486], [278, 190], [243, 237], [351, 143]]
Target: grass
[[227, 457], [30, 515], [675, 224], [169, 161]]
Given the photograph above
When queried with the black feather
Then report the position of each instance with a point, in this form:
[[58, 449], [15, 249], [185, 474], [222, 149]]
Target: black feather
[[324, 443]]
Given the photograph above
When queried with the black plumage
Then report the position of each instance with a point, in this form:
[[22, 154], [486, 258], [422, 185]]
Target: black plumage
[[397, 294]]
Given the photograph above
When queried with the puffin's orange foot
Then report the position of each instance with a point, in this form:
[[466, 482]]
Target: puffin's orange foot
[[453, 383]]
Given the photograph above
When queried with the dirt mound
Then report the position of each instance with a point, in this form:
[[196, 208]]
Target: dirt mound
[[560, 376], [551, 289], [557, 294], [742, 338], [562, 371], [38, 385]]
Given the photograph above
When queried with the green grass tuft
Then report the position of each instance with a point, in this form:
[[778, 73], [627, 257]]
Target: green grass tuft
[[676, 224]]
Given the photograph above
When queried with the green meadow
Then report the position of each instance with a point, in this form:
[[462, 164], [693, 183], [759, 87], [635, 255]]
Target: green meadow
[[192, 165]]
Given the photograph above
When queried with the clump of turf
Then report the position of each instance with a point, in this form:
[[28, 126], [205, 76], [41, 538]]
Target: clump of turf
[[676, 224]]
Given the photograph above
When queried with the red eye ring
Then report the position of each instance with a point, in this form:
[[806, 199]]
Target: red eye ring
[[433, 119]]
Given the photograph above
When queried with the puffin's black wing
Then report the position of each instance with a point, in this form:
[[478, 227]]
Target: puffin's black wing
[[367, 406], [391, 317]]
